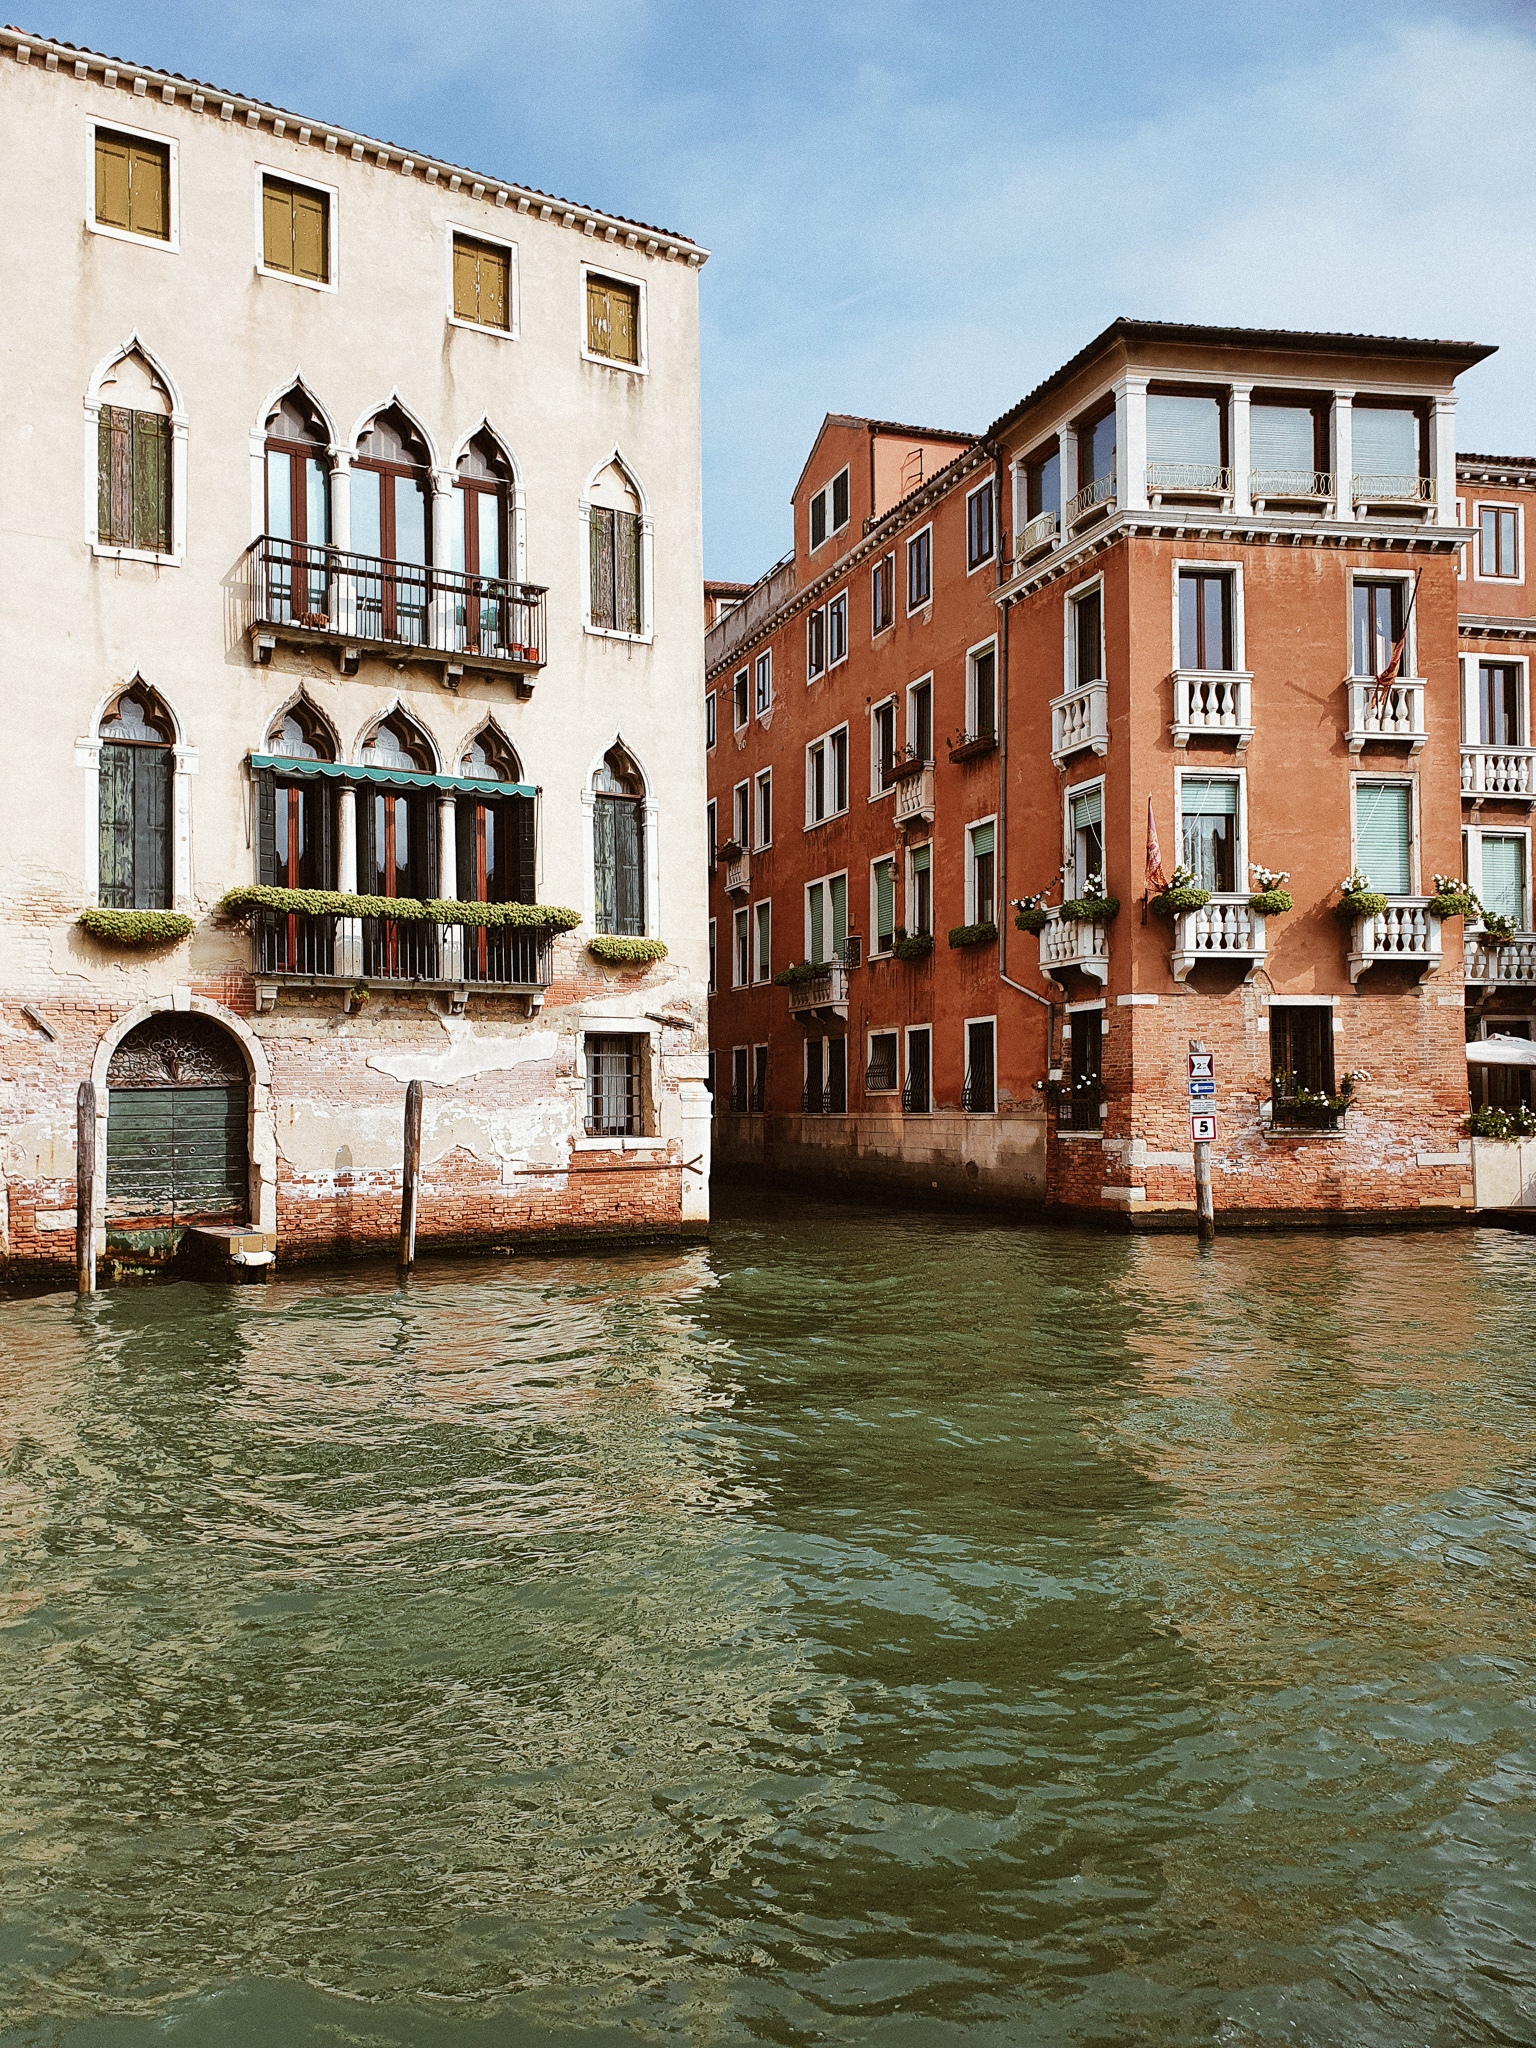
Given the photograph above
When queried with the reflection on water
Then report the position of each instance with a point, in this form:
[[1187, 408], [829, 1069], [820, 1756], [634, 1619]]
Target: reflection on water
[[866, 1630]]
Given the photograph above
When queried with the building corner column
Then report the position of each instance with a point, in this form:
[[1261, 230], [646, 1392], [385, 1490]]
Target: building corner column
[[1131, 444], [1238, 451], [1342, 451]]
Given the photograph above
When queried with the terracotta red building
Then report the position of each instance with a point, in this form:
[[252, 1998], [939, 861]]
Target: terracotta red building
[[1229, 583]]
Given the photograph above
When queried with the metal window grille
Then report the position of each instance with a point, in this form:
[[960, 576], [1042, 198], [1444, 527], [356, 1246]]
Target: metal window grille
[[811, 1100], [613, 1076], [880, 1076]]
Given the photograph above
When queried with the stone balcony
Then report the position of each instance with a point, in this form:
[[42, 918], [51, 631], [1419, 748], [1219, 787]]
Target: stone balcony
[[822, 997], [1065, 946], [1225, 932], [1500, 963], [738, 873], [1393, 717], [1405, 934], [1080, 722], [1210, 704], [1505, 773], [914, 798]]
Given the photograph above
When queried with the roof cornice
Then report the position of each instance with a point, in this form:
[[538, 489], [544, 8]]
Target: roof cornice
[[143, 81]]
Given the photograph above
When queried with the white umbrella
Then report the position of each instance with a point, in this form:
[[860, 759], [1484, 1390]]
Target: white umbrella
[[1502, 1051]]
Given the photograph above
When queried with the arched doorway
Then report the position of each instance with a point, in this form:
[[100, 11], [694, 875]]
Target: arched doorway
[[178, 1104]]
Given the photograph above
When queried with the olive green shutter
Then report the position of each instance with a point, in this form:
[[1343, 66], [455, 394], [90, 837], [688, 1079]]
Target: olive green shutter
[[277, 226], [885, 898], [120, 530], [466, 297], [151, 827], [629, 866], [839, 912], [116, 837], [600, 523], [266, 829], [310, 254], [148, 212], [151, 479], [1503, 888], [495, 288], [522, 808], [626, 550], [112, 186], [104, 474]]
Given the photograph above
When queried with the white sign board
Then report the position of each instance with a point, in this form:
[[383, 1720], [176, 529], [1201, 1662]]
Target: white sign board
[[1202, 1126]]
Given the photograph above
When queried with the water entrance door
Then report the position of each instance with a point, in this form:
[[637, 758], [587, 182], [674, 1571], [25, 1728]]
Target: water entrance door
[[176, 1132]]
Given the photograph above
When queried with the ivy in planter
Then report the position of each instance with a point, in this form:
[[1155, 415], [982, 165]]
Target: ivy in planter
[[791, 977], [1272, 902], [1090, 909], [1172, 901], [916, 946], [973, 935], [1514, 1122], [619, 951], [1453, 903], [237, 905], [136, 927], [1032, 917], [1357, 903]]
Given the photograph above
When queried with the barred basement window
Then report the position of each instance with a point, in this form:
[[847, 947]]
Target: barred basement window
[[482, 283], [979, 1092], [296, 230], [133, 185], [613, 320], [133, 480], [613, 1087], [135, 805], [880, 1074], [615, 547]]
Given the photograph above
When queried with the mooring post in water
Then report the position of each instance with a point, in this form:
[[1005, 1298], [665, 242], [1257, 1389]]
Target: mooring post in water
[[1202, 1128], [85, 1189], [410, 1176]]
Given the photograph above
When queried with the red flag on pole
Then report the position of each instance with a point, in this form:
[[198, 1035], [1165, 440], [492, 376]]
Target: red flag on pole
[[1157, 881], [1393, 669]]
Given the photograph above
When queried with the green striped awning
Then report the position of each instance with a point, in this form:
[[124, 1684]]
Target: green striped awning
[[288, 766]]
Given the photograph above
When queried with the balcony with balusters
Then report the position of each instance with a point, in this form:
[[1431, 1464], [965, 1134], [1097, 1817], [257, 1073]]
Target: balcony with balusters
[[1497, 962], [1406, 934], [1067, 946], [1080, 722], [1505, 774], [1224, 932], [1211, 704], [1390, 715], [914, 793]]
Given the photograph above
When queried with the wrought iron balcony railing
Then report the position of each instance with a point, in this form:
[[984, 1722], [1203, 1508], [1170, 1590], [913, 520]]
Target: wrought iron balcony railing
[[1393, 490], [1094, 497], [1187, 480], [1039, 533], [1078, 1108], [331, 597], [1264, 484], [288, 946]]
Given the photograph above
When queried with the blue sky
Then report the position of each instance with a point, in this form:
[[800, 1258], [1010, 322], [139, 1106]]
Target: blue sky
[[919, 211]]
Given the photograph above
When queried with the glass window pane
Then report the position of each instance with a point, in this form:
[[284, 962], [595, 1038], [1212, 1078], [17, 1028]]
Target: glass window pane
[[317, 520], [410, 520], [366, 525], [279, 495], [490, 533]]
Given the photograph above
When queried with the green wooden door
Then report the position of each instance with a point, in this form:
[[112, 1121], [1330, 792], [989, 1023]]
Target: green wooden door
[[176, 1155]]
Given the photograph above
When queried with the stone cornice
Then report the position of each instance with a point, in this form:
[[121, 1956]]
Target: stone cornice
[[1487, 626], [145, 84]]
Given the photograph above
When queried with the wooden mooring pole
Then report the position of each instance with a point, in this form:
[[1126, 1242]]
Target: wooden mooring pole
[[85, 1189], [411, 1176]]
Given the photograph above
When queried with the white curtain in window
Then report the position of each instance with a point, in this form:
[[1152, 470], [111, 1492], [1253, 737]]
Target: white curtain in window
[[1280, 437], [1386, 443], [1184, 430], [1503, 887]]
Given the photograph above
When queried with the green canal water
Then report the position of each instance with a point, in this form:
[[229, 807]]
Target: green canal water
[[868, 1629]]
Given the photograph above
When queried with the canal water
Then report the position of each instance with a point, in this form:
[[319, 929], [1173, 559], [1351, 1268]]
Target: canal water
[[868, 1629]]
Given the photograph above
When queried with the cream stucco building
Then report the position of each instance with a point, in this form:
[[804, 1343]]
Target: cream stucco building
[[351, 545]]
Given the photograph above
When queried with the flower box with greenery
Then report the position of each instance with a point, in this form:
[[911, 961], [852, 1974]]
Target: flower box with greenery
[[730, 849], [1358, 899], [136, 927], [1271, 896], [1295, 1108], [237, 906], [1491, 1122], [907, 762], [802, 970], [1030, 913], [1182, 893], [1092, 907], [1452, 898], [911, 945], [617, 950], [1496, 925], [972, 935]]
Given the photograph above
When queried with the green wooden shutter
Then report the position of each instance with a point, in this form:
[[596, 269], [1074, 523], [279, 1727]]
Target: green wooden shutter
[[885, 899], [605, 861], [112, 186], [600, 521], [266, 829], [1503, 887], [429, 857], [116, 839], [151, 827], [151, 523], [148, 198], [104, 474], [816, 895], [521, 809], [981, 839], [630, 866], [1088, 809], [310, 253], [839, 912], [120, 523], [626, 571], [277, 226], [1383, 835]]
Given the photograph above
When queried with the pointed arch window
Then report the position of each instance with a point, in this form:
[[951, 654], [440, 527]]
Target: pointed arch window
[[618, 828], [399, 849], [482, 537], [296, 842], [494, 832], [134, 782], [133, 459], [298, 512], [614, 529], [391, 521]]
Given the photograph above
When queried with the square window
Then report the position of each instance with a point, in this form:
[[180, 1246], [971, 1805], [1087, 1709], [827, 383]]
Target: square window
[[1499, 720], [615, 1065], [1205, 619], [296, 230], [1498, 550], [133, 185], [1300, 1050], [613, 320], [482, 283]]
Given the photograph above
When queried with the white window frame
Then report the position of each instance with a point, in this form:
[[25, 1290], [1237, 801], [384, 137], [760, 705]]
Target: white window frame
[[821, 882], [987, 646], [714, 955], [1233, 571], [1471, 693], [511, 332], [1216, 773], [610, 275], [170, 243], [1068, 850], [738, 919], [876, 951], [883, 1031], [759, 843], [876, 793], [924, 604], [332, 280], [1374, 779], [970, 869], [908, 1034], [1479, 505], [1071, 599], [744, 840], [1410, 669], [837, 604], [837, 811], [913, 687], [887, 561], [744, 1054], [832, 530], [1474, 835], [761, 968], [762, 684], [814, 673], [744, 677], [965, 1058], [711, 720], [986, 561], [909, 889]]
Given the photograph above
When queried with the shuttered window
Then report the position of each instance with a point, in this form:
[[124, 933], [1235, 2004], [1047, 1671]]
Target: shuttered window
[[1282, 441], [296, 230], [482, 290], [920, 905], [618, 828], [494, 849], [982, 871], [613, 320], [133, 185], [1209, 812], [135, 811], [885, 904], [1385, 442], [133, 480], [1086, 816], [1184, 430], [614, 539], [1503, 887], [1384, 835]]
